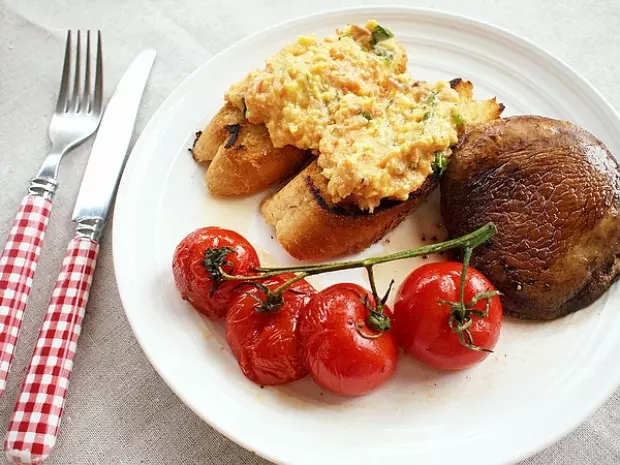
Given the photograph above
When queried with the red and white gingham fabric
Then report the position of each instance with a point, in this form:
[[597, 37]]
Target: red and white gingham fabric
[[33, 429], [18, 263]]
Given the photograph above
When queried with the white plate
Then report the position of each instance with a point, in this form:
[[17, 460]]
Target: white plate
[[544, 378]]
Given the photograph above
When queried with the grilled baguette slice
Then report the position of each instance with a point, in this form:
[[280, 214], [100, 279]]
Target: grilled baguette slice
[[475, 111], [310, 227], [243, 159]]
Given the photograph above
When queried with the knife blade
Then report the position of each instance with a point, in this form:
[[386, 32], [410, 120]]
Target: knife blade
[[109, 151]]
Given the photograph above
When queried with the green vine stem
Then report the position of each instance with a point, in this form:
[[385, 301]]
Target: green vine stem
[[373, 285], [468, 241], [460, 320], [471, 240], [460, 313], [466, 259]]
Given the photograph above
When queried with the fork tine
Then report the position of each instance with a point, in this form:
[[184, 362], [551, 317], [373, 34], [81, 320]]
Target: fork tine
[[98, 96], [75, 96], [86, 97], [61, 105]]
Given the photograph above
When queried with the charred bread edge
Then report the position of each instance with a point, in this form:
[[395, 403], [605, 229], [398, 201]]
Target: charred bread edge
[[385, 204]]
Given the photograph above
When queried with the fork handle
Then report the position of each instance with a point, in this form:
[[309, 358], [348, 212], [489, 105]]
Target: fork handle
[[33, 428], [18, 263]]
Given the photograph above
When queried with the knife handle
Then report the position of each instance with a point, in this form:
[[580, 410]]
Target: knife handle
[[18, 263], [33, 428]]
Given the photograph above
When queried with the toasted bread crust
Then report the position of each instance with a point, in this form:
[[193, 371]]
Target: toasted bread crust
[[215, 134], [475, 111], [309, 227], [243, 159]]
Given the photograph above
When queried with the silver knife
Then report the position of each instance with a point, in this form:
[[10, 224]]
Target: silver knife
[[31, 435], [109, 151]]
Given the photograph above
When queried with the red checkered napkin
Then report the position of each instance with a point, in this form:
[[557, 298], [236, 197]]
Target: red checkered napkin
[[33, 429], [18, 263]]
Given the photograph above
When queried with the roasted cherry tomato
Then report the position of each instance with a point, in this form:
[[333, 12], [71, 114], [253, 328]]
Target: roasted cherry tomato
[[195, 267], [342, 353], [265, 341], [422, 315]]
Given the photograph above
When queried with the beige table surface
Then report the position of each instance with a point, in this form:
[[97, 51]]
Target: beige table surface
[[119, 410]]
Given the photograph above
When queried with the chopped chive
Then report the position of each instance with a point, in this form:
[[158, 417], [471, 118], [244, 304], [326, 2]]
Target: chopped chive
[[380, 34], [457, 119], [440, 164]]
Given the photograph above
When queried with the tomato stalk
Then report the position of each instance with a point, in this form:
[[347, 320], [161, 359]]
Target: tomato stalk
[[466, 259], [377, 320], [471, 240], [461, 312], [273, 298]]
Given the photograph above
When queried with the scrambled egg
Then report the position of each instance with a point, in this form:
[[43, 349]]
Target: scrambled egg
[[348, 99]]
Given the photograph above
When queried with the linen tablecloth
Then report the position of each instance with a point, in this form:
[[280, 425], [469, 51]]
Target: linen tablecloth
[[119, 410]]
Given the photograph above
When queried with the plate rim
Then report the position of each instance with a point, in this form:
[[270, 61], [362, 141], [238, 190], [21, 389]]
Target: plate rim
[[124, 291]]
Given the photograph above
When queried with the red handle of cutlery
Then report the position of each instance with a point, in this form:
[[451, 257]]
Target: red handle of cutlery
[[33, 428], [18, 263]]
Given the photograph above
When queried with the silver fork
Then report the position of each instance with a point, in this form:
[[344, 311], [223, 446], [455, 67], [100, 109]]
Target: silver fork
[[77, 116]]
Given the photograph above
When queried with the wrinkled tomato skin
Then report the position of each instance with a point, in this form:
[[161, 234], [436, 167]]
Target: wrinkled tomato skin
[[421, 323], [337, 356], [193, 280], [266, 344]]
